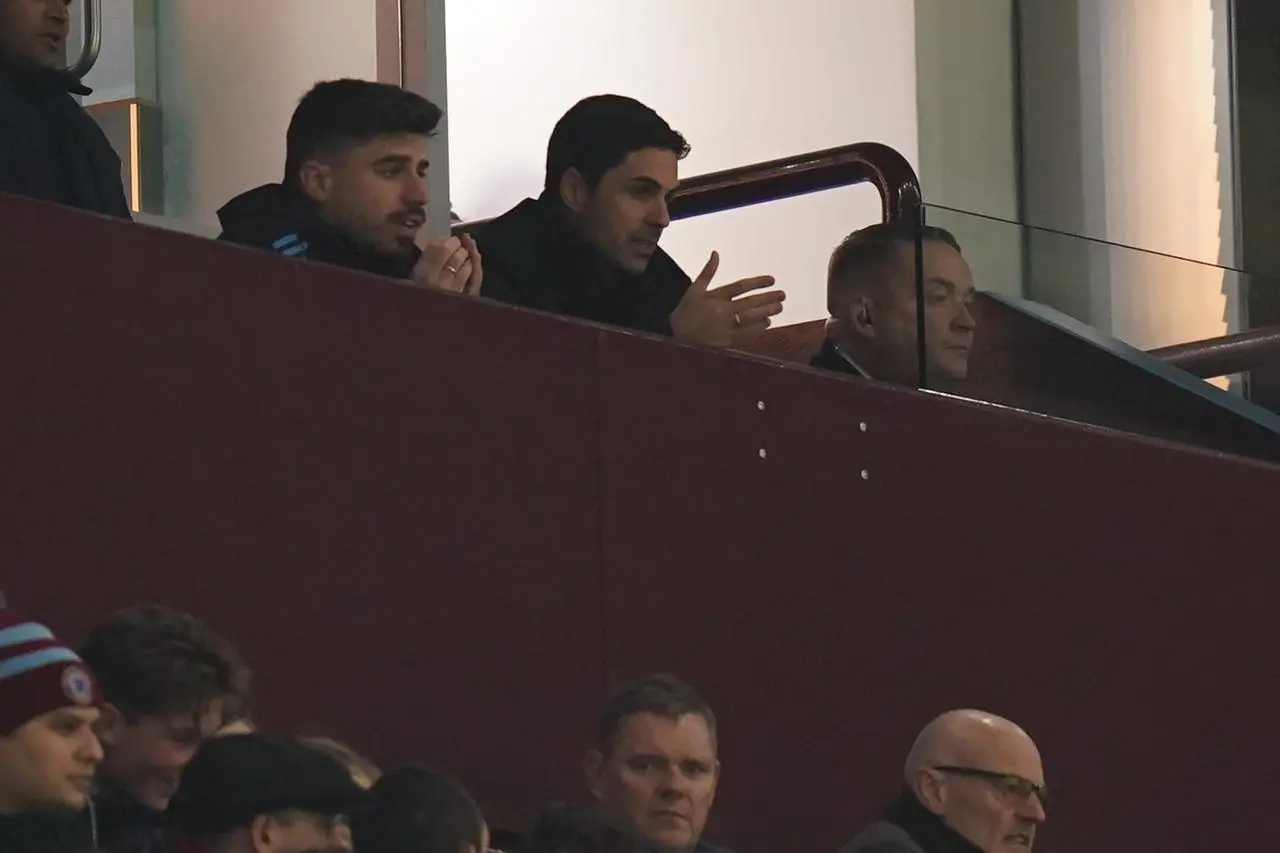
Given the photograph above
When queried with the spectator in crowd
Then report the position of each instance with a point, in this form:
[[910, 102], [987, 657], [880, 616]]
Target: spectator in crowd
[[49, 703], [871, 297], [168, 681], [255, 793], [50, 149], [418, 810], [973, 782], [363, 771], [569, 829], [354, 192], [654, 768], [588, 246]]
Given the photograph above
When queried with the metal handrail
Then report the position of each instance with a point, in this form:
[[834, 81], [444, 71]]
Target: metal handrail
[[92, 46], [788, 177], [1224, 356]]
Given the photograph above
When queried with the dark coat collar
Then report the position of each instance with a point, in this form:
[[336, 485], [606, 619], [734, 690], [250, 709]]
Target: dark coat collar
[[926, 828]]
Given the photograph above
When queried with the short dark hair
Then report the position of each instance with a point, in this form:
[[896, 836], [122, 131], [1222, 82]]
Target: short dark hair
[[562, 828], [662, 694], [352, 112], [598, 133], [356, 764], [870, 250], [419, 809], [153, 660]]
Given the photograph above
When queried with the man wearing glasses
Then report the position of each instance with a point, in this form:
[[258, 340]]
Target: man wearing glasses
[[973, 782]]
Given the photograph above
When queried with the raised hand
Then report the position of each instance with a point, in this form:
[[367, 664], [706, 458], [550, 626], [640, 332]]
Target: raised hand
[[449, 263], [725, 315]]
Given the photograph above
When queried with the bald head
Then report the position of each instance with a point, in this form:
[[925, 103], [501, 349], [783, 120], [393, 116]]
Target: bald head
[[970, 738], [981, 774]]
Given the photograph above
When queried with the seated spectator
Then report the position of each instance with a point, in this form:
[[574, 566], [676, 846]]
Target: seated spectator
[[871, 297], [49, 703], [355, 190], [588, 246], [973, 782], [260, 794], [168, 680], [363, 771], [569, 829], [654, 769], [50, 149], [417, 810]]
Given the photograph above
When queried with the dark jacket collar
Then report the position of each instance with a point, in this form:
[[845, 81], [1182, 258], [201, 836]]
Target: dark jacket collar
[[40, 833], [926, 828], [38, 82], [540, 261], [830, 357], [264, 216]]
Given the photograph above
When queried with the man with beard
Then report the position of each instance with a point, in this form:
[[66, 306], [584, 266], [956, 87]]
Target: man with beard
[[973, 783], [355, 190], [587, 247]]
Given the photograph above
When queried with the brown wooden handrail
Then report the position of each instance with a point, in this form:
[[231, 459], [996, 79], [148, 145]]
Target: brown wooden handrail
[[1226, 355], [772, 180]]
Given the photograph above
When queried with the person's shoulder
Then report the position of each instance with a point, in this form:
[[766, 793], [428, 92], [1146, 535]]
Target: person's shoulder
[[882, 837]]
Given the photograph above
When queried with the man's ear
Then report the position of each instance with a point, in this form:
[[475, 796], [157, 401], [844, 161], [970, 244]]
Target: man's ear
[[262, 833], [593, 770], [110, 725], [861, 317], [929, 790], [316, 180], [574, 191]]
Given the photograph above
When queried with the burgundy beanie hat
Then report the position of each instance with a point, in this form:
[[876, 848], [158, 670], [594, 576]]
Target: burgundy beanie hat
[[38, 674]]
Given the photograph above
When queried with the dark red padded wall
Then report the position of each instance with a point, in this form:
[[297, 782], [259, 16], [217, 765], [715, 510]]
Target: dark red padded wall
[[1102, 592], [390, 506], [441, 528]]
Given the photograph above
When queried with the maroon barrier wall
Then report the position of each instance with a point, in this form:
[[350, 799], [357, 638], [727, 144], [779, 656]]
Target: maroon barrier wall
[[440, 528]]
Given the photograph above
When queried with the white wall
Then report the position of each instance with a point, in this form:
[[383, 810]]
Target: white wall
[[231, 73], [744, 82]]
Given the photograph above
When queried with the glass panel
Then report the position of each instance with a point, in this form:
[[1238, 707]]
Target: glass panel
[[1074, 327]]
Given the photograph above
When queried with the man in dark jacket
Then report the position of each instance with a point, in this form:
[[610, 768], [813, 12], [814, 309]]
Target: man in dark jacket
[[50, 149], [871, 297], [49, 703], [973, 784], [588, 246], [355, 190]]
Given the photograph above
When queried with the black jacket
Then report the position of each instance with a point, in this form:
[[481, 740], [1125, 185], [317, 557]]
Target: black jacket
[[44, 834], [50, 148], [281, 220], [908, 827], [829, 358], [533, 259], [119, 824]]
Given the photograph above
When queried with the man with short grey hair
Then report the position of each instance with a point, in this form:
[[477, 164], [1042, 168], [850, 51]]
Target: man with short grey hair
[[972, 782]]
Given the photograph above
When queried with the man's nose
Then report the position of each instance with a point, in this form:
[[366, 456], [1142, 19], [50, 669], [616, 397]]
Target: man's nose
[[91, 749], [965, 320], [659, 215], [57, 10], [1032, 809], [416, 191]]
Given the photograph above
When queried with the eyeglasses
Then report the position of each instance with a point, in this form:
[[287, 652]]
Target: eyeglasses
[[1009, 784]]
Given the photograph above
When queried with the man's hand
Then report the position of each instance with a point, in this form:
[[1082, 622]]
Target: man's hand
[[728, 314], [450, 263]]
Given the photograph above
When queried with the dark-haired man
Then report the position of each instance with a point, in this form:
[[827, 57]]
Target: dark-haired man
[[871, 297], [354, 192], [50, 149], [588, 246], [49, 703], [169, 683], [254, 793], [973, 783], [654, 768], [421, 810]]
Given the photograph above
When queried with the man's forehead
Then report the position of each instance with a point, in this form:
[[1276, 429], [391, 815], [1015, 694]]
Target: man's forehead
[[409, 145], [647, 732], [655, 164]]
